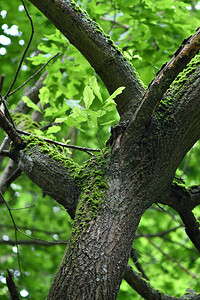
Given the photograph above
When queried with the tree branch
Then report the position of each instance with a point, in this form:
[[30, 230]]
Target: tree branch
[[137, 264], [143, 287], [169, 71], [84, 149], [184, 201], [171, 258], [33, 241], [24, 54], [107, 60], [56, 174], [14, 294], [11, 132]]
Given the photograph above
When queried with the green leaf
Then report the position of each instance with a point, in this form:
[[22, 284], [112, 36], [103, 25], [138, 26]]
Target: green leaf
[[95, 87], [44, 95], [61, 120], [109, 105], [92, 122], [73, 103], [88, 96], [110, 122], [116, 93], [53, 129], [30, 103], [39, 59]]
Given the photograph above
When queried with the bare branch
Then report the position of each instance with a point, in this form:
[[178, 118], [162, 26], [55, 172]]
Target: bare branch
[[193, 275], [143, 287], [33, 242], [15, 228], [1, 84], [5, 153], [115, 22], [62, 144], [33, 229], [14, 294], [184, 201], [137, 264], [36, 73], [160, 234], [25, 51], [26, 235]]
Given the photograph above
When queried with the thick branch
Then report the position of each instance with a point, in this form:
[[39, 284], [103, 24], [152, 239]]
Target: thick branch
[[97, 48], [51, 171], [184, 201], [162, 81], [143, 287]]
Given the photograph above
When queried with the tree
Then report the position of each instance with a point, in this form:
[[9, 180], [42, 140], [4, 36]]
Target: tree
[[107, 195]]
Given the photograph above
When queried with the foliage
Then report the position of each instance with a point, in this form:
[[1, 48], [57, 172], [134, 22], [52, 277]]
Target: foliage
[[148, 32]]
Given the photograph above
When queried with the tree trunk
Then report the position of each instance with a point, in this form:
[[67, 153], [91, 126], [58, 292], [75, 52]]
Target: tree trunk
[[109, 194]]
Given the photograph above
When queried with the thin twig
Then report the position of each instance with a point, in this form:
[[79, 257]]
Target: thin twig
[[62, 144], [4, 143], [33, 229], [33, 242], [16, 229], [25, 51], [193, 275], [26, 235], [1, 84], [36, 73], [115, 22], [23, 207], [137, 264], [13, 177]]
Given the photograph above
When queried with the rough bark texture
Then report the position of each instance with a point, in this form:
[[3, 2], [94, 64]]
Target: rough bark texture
[[109, 195]]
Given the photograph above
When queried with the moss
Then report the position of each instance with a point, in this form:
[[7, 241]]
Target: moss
[[24, 121], [92, 199], [52, 150], [177, 88], [90, 178], [187, 72]]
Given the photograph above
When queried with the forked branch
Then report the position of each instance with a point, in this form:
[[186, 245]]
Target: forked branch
[[156, 89], [184, 201]]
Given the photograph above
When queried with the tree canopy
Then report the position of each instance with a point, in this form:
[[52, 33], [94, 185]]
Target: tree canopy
[[70, 103]]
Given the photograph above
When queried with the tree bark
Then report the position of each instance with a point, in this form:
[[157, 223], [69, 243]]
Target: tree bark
[[108, 196]]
